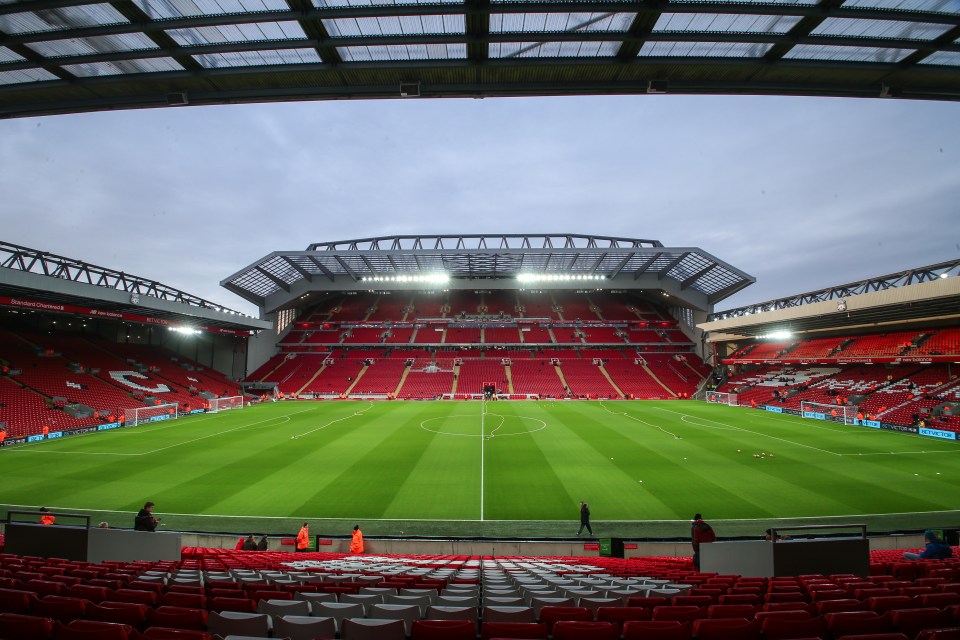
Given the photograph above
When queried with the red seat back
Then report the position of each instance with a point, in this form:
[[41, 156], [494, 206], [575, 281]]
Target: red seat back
[[443, 630], [537, 631], [656, 630], [579, 630]]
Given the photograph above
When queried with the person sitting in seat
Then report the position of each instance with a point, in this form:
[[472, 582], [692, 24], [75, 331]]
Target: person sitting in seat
[[936, 549]]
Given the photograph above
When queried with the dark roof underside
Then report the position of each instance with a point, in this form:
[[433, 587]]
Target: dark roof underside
[[62, 56]]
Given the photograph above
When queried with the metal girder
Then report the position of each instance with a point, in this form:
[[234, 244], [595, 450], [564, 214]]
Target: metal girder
[[726, 292], [277, 281], [135, 14], [19, 258], [879, 283], [800, 30], [184, 53], [243, 293], [315, 29], [680, 258], [623, 263], [524, 240]]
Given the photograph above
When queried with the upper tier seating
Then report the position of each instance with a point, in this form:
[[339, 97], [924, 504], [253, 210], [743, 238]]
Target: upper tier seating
[[943, 342], [422, 382], [885, 344], [501, 335]]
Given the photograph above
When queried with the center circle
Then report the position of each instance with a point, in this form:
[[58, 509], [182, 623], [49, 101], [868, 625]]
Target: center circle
[[495, 426]]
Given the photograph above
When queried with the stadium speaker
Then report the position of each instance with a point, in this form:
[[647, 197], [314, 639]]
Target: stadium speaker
[[657, 86], [177, 99], [886, 91], [409, 89]]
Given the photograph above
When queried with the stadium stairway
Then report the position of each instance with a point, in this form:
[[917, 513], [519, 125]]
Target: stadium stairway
[[216, 592]]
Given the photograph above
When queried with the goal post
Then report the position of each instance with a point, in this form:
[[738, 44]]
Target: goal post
[[721, 397], [140, 415], [847, 414], [222, 404]]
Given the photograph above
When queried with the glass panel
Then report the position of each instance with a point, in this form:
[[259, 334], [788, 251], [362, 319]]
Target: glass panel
[[165, 9], [25, 75], [553, 49], [258, 31], [560, 22], [123, 67], [59, 19], [9, 56], [846, 54], [779, 2], [93, 45], [258, 58], [939, 6], [704, 49], [369, 3], [404, 52], [951, 58], [725, 23], [395, 26], [860, 28]]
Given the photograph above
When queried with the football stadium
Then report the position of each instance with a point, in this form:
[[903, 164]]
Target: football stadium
[[469, 435]]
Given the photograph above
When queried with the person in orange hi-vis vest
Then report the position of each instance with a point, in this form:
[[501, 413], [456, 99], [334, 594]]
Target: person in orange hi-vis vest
[[47, 517], [303, 538], [356, 544], [46, 431]]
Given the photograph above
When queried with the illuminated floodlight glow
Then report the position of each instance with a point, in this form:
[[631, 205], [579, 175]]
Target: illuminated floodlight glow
[[778, 335], [557, 277], [185, 330], [430, 278], [944, 275]]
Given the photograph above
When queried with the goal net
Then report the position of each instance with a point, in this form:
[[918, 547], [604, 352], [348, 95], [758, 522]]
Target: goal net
[[847, 414], [721, 397], [141, 415], [222, 404]]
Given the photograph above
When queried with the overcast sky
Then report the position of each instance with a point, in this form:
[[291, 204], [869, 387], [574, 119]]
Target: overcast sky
[[801, 193]]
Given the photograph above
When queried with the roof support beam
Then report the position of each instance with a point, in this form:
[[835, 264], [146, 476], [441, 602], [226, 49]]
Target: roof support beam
[[303, 272], [322, 269], [243, 293], [800, 30], [642, 269], [680, 258], [313, 26], [477, 22], [686, 284], [135, 14], [347, 268], [277, 281], [623, 263]]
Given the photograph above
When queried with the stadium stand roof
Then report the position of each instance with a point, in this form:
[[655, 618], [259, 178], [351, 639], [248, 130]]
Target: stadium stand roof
[[928, 294], [692, 275], [37, 280], [63, 56]]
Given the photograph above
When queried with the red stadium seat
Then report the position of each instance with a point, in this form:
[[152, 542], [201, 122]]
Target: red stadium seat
[[443, 630], [682, 614], [129, 613], [529, 630], [912, 621], [620, 615], [16, 601], [845, 623], [783, 629], [656, 630], [551, 615], [161, 633], [726, 629], [60, 608], [16, 626], [89, 630], [573, 630], [177, 599]]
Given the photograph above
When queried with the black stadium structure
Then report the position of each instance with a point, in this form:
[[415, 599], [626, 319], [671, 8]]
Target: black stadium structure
[[66, 56]]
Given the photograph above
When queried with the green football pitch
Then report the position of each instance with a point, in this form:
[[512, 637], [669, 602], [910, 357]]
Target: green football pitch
[[500, 468]]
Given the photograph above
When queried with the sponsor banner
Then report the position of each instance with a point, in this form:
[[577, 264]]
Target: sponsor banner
[[873, 424], [108, 426], [12, 441], [158, 418], [897, 427], [773, 409], [918, 359], [77, 432], [55, 434], [36, 438], [938, 433], [197, 411], [815, 415], [25, 303], [591, 546]]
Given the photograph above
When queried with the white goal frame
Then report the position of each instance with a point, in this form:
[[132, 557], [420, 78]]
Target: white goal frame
[[847, 414], [223, 404], [140, 415], [721, 397]]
